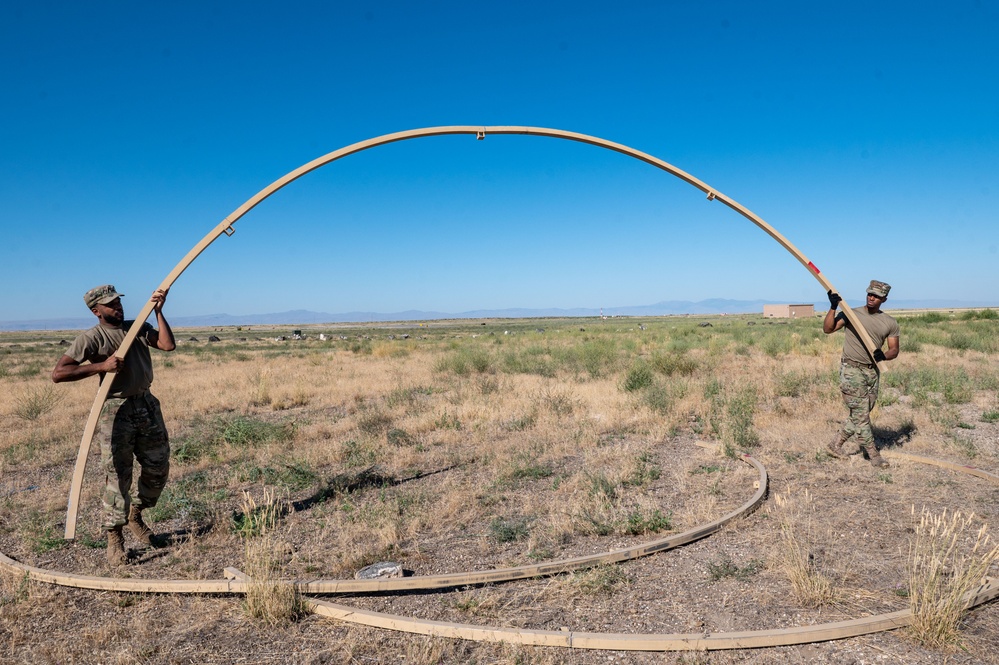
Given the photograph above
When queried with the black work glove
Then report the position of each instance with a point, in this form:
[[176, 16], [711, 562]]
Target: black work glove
[[879, 356], [834, 299]]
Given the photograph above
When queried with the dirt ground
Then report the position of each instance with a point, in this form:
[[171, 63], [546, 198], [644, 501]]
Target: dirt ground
[[856, 521], [863, 522]]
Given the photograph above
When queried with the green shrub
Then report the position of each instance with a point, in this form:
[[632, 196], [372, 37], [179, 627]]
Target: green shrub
[[954, 385], [985, 314], [638, 377], [534, 360], [639, 523], [558, 402], [674, 363], [508, 530], [739, 419], [361, 347], [464, 361], [30, 370], [776, 343]]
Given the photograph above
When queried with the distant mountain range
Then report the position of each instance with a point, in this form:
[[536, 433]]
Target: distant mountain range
[[303, 316]]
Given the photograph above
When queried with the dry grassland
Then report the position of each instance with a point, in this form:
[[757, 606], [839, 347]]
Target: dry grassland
[[458, 446]]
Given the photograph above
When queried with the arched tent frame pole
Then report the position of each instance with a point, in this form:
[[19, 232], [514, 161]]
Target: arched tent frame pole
[[480, 132]]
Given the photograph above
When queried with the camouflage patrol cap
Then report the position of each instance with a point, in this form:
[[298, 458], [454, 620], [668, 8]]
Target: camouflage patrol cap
[[100, 295], [879, 289]]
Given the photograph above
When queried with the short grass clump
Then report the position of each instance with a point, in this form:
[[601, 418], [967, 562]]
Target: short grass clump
[[947, 559], [640, 522], [725, 567], [508, 530]]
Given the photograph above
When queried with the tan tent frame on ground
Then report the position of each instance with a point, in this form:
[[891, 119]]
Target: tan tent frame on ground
[[237, 582]]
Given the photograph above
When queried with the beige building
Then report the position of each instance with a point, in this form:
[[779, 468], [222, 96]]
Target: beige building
[[788, 311]]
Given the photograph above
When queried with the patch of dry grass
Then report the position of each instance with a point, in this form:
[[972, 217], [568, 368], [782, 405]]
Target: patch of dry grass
[[269, 600], [795, 554], [948, 558]]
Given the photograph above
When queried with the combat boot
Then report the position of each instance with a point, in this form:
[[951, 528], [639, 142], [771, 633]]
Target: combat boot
[[116, 547], [874, 455], [835, 446], [138, 528]]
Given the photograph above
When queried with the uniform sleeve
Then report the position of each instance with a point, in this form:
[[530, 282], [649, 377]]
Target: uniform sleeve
[[81, 349], [894, 331]]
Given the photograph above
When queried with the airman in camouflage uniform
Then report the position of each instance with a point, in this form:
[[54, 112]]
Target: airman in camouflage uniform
[[131, 423], [858, 372]]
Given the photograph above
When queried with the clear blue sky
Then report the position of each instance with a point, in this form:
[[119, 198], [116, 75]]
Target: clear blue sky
[[866, 133]]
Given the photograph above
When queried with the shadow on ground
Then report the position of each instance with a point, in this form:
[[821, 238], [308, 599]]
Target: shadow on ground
[[894, 438]]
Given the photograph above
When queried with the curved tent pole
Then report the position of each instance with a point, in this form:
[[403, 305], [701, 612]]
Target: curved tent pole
[[226, 227]]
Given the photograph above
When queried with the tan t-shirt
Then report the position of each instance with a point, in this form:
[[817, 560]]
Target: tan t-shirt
[[879, 326], [100, 342]]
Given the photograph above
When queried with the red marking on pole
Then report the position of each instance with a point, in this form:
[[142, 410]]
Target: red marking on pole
[[814, 269]]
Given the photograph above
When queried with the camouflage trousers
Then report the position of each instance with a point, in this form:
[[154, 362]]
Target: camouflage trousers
[[132, 430], [859, 386]]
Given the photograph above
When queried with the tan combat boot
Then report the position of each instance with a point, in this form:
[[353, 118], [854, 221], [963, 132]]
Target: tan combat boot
[[116, 547], [836, 446], [138, 528], [874, 455]]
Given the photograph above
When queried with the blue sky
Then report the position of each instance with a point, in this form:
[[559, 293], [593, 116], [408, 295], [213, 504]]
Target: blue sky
[[866, 133]]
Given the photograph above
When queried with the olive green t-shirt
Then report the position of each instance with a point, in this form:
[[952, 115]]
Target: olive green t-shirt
[[879, 326], [100, 342]]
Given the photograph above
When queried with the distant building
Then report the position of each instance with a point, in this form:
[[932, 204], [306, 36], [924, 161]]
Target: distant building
[[788, 311]]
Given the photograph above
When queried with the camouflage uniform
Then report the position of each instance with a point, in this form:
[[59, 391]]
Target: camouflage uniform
[[132, 428], [859, 386], [131, 423], [859, 376]]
